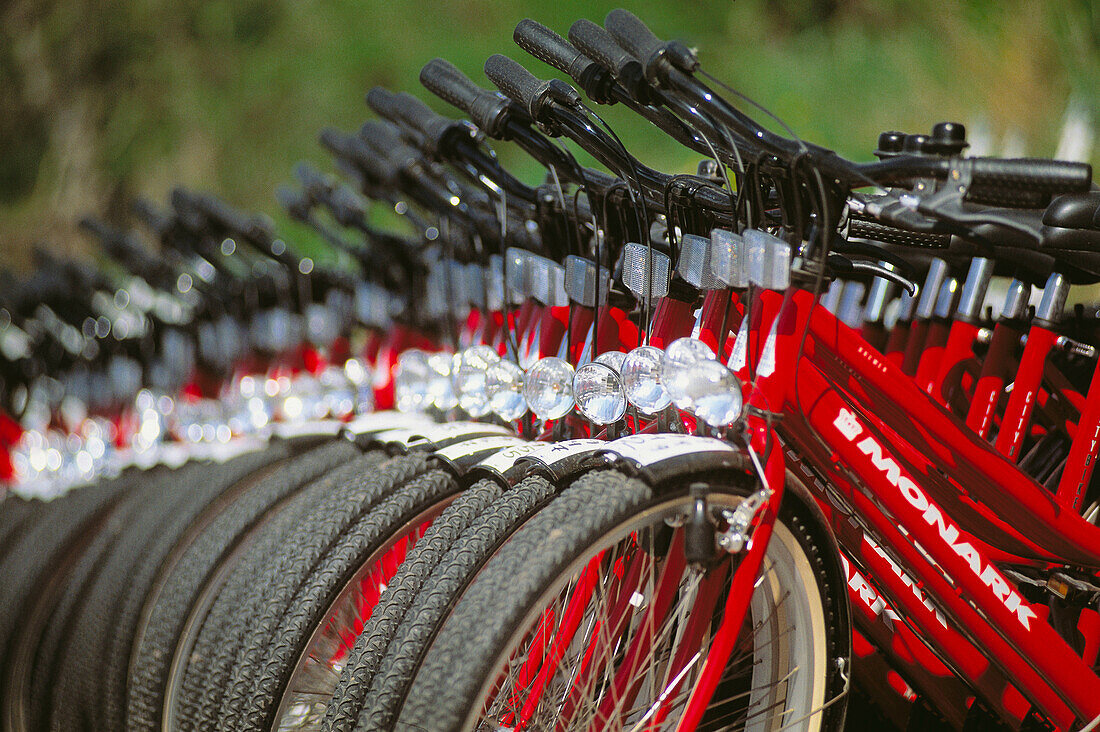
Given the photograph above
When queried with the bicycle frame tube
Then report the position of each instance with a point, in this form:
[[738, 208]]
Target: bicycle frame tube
[[904, 500], [1040, 340], [1081, 460], [1025, 387], [996, 368]]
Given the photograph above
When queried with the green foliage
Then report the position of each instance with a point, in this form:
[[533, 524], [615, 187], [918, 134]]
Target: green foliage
[[101, 101]]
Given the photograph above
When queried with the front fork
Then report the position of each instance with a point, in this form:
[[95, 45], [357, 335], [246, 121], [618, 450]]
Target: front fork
[[762, 441]]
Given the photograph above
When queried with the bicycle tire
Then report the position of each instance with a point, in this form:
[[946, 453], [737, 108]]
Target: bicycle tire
[[268, 664], [165, 613], [290, 548], [114, 597], [509, 595], [372, 701], [57, 628], [366, 655]]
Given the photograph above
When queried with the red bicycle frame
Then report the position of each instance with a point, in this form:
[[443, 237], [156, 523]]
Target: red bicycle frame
[[937, 503]]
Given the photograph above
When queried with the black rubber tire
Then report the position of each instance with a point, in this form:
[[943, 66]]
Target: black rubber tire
[[371, 699], [46, 530], [390, 612], [264, 668], [167, 608], [16, 514], [58, 627], [466, 649], [275, 567], [110, 609], [497, 600], [37, 558]]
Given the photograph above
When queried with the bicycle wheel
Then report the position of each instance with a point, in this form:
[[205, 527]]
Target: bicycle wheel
[[372, 686], [589, 618], [163, 620]]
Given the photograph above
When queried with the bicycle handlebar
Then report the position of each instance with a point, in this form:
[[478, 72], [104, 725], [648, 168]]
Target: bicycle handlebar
[[407, 109], [597, 43], [359, 154], [524, 88], [486, 109], [1025, 182], [548, 47]]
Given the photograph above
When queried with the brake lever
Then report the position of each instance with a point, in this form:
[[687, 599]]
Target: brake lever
[[877, 270], [842, 266]]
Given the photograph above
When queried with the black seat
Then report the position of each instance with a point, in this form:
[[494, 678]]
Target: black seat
[[1074, 211]]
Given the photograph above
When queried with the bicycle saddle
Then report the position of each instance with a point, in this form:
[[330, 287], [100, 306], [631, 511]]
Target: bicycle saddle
[[1074, 211]]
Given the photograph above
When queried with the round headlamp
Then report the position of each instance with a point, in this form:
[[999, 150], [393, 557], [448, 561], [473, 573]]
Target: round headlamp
[[548, 388], [712, 392], [504, 382], [642, 383], [678, 357], [468, 376], [599, 393], [410, 381], [440, 387], [614, 359]]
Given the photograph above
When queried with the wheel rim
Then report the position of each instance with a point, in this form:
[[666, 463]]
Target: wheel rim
[[317, 671], [618, 640]]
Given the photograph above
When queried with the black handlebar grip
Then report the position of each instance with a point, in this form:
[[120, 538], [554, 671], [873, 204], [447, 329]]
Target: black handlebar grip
[[313, 181], [347, 208], [408, 111], [381, 102], [385, 139], [598, 43], [421, 118], [633, 35], [517, 83], [875, 231], [148, 213], [358, 154], [97, 228], [295, 203], [222, 214], [1007, 197], [487, 110], [1025, 182], [651, 51], [380, 135], [548, 47]]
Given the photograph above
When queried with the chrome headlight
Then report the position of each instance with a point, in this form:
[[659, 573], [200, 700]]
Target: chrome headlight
[[614, 359], [680, 354], [440, 386], [504, 382], [698, 383], [548, 388], [468, 372], [712, 393], [599, 393], [410, 381], [642, 383]]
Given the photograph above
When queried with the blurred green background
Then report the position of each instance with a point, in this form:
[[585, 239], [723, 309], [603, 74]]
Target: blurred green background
[[102, 100]]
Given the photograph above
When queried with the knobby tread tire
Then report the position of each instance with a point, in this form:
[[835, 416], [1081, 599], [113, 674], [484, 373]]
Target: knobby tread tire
[[498, 599], [401, 591], [59, 627], [47, 530], [218, 625], [166, 613], [377, 701], [264, 668], [115, 596], [16, 515], [41, 553], [275, 568]]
